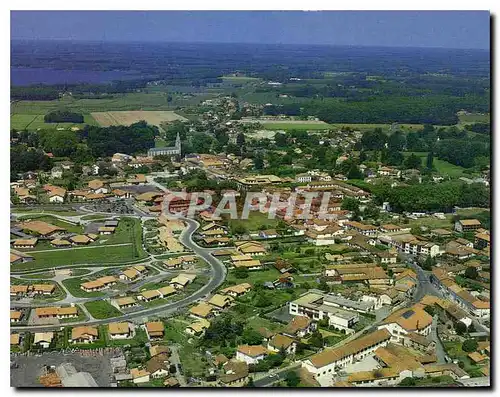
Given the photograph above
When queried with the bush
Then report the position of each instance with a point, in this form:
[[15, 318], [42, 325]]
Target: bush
[[469, 345]]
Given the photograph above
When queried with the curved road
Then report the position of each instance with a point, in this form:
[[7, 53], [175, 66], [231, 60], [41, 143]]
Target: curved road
[[218, 276]]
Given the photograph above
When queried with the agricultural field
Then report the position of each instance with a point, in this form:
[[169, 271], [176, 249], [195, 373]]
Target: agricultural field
[[33, 122], [474, 118], [106, 119]]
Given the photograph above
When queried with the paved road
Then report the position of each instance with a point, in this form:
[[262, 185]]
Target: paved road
[[218, 276], [276, 376]]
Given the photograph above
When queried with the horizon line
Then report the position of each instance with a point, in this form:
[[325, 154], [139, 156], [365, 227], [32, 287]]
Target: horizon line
[[243, 43]]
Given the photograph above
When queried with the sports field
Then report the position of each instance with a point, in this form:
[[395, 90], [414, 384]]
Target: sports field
[[106, 119]]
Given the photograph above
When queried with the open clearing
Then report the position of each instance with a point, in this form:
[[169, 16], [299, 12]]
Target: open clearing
[[106, 119], [474, 118]]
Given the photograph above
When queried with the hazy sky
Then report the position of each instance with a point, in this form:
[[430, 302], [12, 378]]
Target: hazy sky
[[449, 29]]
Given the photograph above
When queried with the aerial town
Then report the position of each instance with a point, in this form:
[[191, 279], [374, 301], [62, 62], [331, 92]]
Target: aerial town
[[221, 241]]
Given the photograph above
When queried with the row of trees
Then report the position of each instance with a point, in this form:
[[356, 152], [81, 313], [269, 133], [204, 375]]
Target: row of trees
[[433, 197]]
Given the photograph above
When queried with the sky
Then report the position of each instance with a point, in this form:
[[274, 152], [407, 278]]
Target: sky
[[444, 29]]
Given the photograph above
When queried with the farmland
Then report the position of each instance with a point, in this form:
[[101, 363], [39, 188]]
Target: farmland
[[106, 119]]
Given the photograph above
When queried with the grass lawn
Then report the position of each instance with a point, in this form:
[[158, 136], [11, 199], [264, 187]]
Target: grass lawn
[[80, 272], [39, 275], [27, 211], [73, 286], [256, 221], [257, 322], [174, 331], [70, 227], [102, 309], [432, 222], [101, 255], [443, 167], [94, 216], [254, 276]]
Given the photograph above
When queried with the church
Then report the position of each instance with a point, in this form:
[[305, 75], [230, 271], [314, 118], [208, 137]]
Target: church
[[169, 151]]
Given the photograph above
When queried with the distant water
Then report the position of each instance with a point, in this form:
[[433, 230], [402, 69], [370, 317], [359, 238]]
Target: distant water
[[29, 76]]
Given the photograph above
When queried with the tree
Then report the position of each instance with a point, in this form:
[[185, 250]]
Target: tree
[[280, 139], [471, 272], [469, 345], [250, 383], [460, 328], [241, 272], [396, 142], [251, 337], [258, 161], [413, 161], [63, 116], [316, 340], [350, 204], [408, 382], [240, 139], [292, 379], [430, 160], [354, 172], [371, 211], [431, 310]]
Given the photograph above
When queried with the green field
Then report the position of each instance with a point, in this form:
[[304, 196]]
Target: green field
[[102, 309], [32, 122], [100, 255], [256, 221], [474, 118], [443, 167], [70, 227], [129, 231]]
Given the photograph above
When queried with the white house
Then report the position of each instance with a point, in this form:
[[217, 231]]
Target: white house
[[251, 354]]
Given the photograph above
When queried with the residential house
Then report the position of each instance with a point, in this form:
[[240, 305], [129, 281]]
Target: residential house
[[139, 375], [282, 342], [43, 339], [84, 334], [119, 330], [237, 290], [198, 328], [158, 366], [300, 326], [125, 302], [182, 280], [203, 310], [251, 354], [15, 316], [154, 330], [235, 374], [97, 186], [25, 243]]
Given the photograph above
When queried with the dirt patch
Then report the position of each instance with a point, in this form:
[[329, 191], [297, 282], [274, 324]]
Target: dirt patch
[[106, 119]]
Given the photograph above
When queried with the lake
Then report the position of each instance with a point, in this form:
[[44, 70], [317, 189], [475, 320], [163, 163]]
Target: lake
[[29, 76]]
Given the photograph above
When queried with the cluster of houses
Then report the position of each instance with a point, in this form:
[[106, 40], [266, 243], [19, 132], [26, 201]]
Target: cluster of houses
[[21, 290], [34, 231], [204, 311]]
